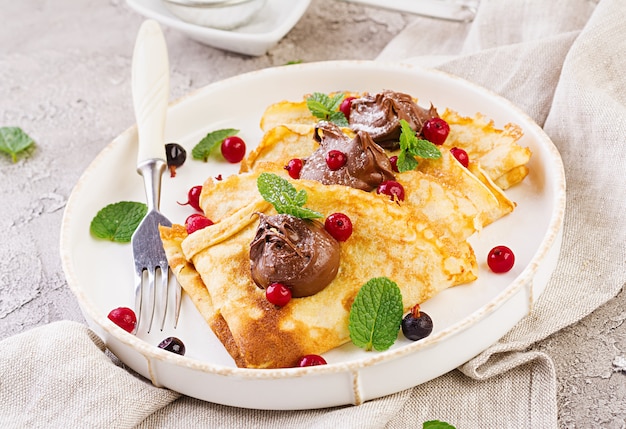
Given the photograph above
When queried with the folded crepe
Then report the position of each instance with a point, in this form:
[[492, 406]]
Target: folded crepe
[[497, 151], [387, 240], [465, 198]]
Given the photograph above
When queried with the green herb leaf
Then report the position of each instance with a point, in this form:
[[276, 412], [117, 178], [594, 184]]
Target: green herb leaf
[[284, 197], [376, 314], [207, 145], [411, 146], [118, 221], [292, 62], [13, 141], [324, 107], [437, 424]]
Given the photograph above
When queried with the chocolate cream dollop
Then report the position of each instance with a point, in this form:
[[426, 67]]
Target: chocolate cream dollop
[[367, 164], [295, 252], [380, 114]]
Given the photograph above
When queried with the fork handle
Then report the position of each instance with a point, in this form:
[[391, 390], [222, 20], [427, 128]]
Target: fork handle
[[150, 88]]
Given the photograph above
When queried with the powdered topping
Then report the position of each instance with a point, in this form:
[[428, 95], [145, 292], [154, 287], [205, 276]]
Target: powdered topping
[[366, 164], [379, 115]]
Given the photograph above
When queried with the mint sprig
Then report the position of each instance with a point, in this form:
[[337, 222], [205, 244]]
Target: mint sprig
[[437, 424], [212, 140], [376, 314], [326, 108], [411, 146], [14, 140], [118, 221], [284, 196]]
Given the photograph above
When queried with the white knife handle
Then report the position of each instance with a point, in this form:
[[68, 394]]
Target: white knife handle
[[150, 87]]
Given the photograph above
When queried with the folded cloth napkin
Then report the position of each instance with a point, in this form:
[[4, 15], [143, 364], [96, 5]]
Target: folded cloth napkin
[[562, 62]]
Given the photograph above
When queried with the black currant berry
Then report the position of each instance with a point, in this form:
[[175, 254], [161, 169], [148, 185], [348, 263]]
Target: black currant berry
[[417, 324]]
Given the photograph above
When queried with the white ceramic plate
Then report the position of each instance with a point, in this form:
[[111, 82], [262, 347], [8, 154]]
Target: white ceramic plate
[[467, 318], [264, 31]]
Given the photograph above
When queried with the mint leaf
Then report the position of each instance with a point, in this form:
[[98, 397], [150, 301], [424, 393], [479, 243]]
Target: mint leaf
[[284, 197], [118, 221], [437, 424], [13, 141], [325, 107], [207, 145], [301, 212], [339, 119], [376, 314], [406, 161], [411, 146]]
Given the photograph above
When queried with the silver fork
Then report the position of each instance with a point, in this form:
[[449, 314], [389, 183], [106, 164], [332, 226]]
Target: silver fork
[[150, 88]]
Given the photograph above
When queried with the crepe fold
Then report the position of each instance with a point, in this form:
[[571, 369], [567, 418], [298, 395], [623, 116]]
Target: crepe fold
[[387, 240]]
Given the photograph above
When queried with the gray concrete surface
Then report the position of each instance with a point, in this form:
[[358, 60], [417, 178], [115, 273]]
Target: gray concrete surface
[[65, 79]]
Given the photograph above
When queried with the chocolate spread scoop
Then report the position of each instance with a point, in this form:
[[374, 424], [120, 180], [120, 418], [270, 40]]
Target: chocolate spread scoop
[[380, 114], [367, 165], [297, 253]]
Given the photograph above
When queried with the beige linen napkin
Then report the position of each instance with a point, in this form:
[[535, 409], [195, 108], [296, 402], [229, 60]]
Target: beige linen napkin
[[561, 61]]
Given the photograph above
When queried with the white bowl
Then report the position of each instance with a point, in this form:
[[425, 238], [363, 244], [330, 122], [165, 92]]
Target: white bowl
[[262, 33], [221, 14]]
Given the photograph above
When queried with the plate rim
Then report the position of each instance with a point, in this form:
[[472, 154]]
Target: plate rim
[[149, 351]]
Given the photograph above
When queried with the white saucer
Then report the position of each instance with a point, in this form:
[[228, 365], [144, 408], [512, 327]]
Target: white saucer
[[265, 30]]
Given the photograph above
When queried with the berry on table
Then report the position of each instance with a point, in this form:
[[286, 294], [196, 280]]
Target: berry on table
[[460, 156], [436, 130], [500, 259], [339, 226], [193, 197], [123, 317], [293, 167], [233, 149], [175, 155], [311, 360], [174, 345], [335, 159], [197, 221], [278, 294], [392, 188], [416, 324]]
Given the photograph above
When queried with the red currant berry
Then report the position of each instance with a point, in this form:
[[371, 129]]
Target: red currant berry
[[345, 106], [339, 226], [311, 360], [278, 294], [197, 221], [391, 188], [460, 156], [193, 197], [436, 130], [500, 259], [124, 317], [335, 159], [293, 167], [233, 149], [394, 163]]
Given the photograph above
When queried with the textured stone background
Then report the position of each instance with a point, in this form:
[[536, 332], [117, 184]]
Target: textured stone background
[[65, 79]]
